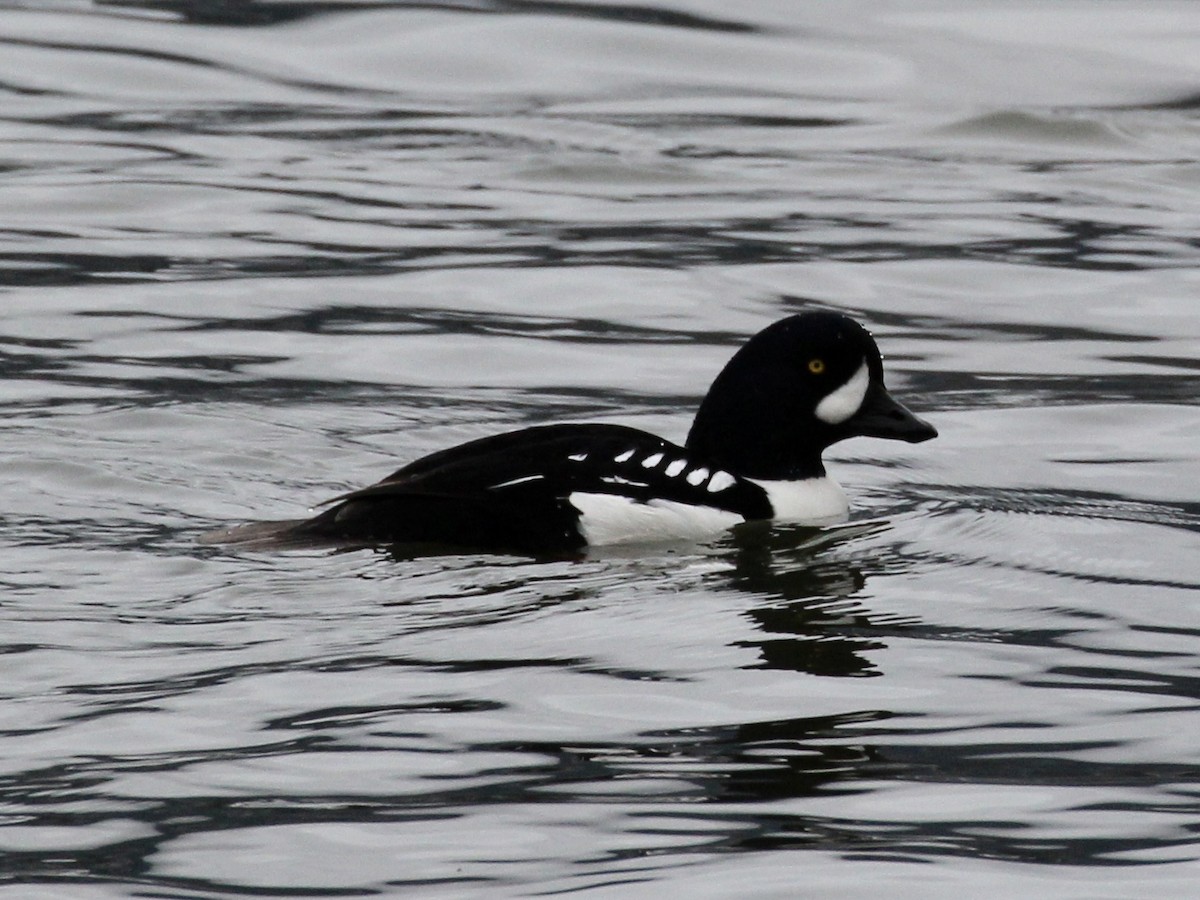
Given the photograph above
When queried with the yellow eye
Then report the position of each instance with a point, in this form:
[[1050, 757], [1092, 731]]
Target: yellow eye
[[816, 366]]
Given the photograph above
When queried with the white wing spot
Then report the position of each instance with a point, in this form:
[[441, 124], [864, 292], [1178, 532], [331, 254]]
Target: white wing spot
[[651, 461], [843, 402], [617, 479], [720, 482], [676, 467], [577, 457], [624, 457], [697, 476], [517, 481]]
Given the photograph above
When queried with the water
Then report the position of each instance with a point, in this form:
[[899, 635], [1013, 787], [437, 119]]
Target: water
[[253, 255]]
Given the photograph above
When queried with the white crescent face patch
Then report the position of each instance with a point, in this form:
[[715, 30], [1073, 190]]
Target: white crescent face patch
[[843, 402]]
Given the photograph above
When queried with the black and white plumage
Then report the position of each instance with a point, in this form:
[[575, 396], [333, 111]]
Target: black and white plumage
[[753, 452]]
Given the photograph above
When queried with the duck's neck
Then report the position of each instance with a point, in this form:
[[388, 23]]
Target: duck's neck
[[741, 444]]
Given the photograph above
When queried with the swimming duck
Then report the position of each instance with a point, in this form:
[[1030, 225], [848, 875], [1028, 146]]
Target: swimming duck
[[753, 452]]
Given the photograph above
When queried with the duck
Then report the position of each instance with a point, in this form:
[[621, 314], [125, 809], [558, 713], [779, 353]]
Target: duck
[[753, 452]]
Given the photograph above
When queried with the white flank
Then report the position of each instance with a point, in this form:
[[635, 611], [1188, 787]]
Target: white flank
[[842, 403], [651, 461], [610, 519], [577, 457], [812, 501], [696, 477], [623, 456]]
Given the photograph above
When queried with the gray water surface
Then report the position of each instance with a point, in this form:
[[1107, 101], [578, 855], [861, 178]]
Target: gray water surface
[[253, 255]]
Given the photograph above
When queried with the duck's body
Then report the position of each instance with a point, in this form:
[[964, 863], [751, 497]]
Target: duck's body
[[561, 487], [754, 452]]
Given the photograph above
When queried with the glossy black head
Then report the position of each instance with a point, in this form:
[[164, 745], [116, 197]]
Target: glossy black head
[[793, 389]]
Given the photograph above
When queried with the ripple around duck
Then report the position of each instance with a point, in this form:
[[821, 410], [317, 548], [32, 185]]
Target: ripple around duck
[[400, 235]]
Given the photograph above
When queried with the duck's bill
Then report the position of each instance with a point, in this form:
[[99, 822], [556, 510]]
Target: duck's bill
[[883, 416]]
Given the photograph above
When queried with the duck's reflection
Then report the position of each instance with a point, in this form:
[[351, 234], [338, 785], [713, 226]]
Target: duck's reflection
[[732, 781], [810, 617]]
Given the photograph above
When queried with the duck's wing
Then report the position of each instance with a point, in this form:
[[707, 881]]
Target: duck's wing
[[526, 488], [555, 452]]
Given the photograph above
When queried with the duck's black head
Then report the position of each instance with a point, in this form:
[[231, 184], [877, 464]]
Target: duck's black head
[[793, 389]]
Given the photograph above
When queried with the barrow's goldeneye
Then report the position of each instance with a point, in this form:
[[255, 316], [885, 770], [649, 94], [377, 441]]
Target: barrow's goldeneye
[[753, 452]]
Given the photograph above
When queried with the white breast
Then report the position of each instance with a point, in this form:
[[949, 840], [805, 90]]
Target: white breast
[[810, 501], [609, 519]]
